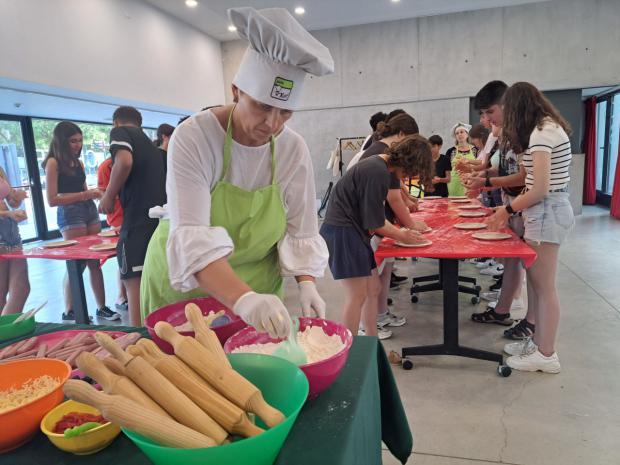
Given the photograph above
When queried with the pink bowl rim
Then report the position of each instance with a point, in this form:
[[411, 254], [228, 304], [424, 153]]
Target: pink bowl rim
[[348, 342], [60, 386]]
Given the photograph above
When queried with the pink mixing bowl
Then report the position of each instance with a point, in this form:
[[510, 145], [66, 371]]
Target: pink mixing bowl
[[320, 374], [175, 315]]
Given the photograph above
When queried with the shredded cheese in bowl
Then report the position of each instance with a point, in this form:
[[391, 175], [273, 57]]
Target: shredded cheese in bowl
[[30, 391]]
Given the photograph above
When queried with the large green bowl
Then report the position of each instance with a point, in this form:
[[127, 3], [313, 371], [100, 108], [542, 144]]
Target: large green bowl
[[8, 330], [284, 386]]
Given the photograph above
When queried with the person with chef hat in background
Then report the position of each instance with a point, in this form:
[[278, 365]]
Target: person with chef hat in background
[[462, 150], [241, 197]]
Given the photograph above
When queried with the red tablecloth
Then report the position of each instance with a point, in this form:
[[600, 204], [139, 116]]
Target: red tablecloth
[[449, 242], [79, 251]]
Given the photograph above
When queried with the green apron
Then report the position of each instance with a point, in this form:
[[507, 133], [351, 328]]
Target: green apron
[[455, 186], [254, 220]]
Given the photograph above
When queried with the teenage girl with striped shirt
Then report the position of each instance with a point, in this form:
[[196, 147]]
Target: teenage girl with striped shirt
[[534, 127]]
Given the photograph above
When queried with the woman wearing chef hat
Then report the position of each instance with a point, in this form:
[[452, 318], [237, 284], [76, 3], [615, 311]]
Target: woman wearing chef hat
[[462, 150], [241, 197]]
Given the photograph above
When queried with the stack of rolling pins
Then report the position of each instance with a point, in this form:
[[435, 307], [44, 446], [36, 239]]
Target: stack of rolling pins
[[188, 400]]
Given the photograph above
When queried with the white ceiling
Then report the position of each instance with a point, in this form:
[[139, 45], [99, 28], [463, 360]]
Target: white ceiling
[[210, 15]]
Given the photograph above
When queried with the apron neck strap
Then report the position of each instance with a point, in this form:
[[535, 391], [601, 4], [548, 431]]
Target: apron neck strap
[[228, 150]]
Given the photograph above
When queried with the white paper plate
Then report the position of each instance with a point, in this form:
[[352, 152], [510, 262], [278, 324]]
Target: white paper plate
[[108, 233], [472, 214], [458, 197], [431, 197], [419, 244], [59, 244], [491, 236], [470, 225], [460, 201], [102, 247], [469, 207]]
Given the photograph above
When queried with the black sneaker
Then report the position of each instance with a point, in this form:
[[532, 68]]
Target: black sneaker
[[69, 317], [107, 314], [390, 301], [497, 286]]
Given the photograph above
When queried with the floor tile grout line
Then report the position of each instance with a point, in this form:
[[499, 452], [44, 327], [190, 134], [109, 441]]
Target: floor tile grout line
[[617, 310], [464, 458]]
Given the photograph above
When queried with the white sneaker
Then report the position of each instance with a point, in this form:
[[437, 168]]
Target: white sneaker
[[491, 296], [489, 262], [535, 361], [517, 304], [381, 333], [390, 319], [493, 270], [524, 347]]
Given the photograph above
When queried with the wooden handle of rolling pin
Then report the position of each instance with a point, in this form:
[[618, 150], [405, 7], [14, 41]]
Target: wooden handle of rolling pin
[[227, 381], [114, 365], [162, 391], [204, 334], [131, 415], [115, 384], [232, 418]]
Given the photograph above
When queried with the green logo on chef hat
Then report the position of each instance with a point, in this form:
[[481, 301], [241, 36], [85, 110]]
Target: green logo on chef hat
[[281, 89]]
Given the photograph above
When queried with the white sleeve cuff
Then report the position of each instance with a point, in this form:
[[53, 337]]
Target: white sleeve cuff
[[307, 256], [190, 249]]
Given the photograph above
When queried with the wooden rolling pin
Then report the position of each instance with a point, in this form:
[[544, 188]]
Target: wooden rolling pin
[[232, 418], [162, 391], [115, 384], [131, 415], [114, 365], [227, 381], [204, 334]]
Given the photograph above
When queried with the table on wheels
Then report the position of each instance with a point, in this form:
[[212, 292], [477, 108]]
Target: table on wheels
[[343, 426], [76, 257], [449, 246]]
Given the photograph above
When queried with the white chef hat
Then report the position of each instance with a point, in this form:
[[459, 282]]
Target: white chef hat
[[279, 55], [458, 125]]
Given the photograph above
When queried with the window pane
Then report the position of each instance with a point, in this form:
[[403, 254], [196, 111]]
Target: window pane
[[614, 133], [95, 149], [13, 162], [601, 112]]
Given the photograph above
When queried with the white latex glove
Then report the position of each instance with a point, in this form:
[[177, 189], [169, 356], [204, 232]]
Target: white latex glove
[[265, 312], [312, 304]]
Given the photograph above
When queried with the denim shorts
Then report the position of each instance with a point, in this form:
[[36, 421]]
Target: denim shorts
[[349, 255], [550, 220], [9, 234], [77, 215], [515, 222]]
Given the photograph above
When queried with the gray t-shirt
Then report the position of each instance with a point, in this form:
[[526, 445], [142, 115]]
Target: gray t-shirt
[[358, 199]]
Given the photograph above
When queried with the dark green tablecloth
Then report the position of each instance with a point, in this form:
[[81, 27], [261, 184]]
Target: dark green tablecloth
[[344, 425]]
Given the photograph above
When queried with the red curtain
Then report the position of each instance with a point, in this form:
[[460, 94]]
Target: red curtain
[[589, 178], [615, 195]]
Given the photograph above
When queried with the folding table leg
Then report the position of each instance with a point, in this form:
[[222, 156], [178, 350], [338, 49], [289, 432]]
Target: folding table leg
[[75, 270]]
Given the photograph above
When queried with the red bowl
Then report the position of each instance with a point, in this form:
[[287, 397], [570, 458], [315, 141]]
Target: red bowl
[[321, 374], [175, 315]]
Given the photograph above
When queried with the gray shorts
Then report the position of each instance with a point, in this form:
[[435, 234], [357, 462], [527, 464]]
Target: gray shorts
[[550, 220]]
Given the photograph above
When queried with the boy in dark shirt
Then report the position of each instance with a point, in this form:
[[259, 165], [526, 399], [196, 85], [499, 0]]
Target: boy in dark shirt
[[442, 167], [138, 176]]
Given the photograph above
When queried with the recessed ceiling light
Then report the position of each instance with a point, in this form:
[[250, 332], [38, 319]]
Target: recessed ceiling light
[[300, 10], [395, 1], [191, 3], [232, 28]]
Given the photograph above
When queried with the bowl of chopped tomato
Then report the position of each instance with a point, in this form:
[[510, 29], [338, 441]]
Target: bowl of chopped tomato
[[60, 423]]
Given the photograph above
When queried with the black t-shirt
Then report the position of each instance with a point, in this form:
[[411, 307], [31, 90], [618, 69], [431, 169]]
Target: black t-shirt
[[442, 166], [164, 157], [146, 185], [358, 198], [378, 148], [509, 164]]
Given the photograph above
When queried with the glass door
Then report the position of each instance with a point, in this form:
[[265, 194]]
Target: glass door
[[15, 164]]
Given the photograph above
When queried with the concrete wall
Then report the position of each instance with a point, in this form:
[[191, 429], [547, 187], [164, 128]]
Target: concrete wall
[[431, 66], [117, 48]]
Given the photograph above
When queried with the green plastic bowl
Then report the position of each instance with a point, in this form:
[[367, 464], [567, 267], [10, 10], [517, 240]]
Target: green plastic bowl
[[8, 330], [284, 386]]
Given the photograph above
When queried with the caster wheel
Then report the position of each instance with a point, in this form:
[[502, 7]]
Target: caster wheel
[[407, 364], [475, 300], [414, 299], [504, 371], [478, 288]]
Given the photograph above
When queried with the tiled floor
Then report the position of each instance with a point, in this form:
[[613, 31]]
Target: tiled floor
[[460, 411]]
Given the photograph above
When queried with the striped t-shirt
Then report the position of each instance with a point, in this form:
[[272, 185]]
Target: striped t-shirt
[[552, 139]]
